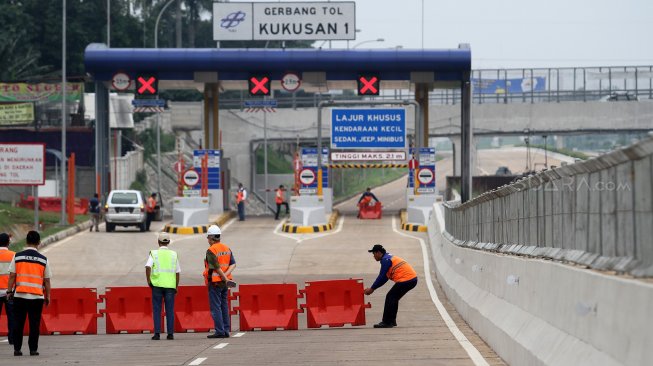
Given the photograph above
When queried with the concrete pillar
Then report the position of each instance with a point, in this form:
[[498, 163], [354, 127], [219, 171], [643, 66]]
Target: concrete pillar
[[211, 117], [457, 153], [422, 98]]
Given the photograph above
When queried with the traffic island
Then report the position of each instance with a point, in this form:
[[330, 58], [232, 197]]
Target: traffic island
[[185, 230], [410, 227], [299, 229]]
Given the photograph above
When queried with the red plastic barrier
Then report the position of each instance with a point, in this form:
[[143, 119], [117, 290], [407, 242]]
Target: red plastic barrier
[[192, 310], [71, 311], [268, 306], [128, 309], [370, 212], [53, 204], [334, 303]]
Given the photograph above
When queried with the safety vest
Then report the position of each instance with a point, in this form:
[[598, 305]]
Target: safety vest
[[151, 203], [400, 270], [279, 198], [223, 254], [30, 272], [240, 197], [164, 268], [6, 256], [366, 200]]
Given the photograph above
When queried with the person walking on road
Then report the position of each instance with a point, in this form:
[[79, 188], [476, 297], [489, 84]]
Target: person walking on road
[[150, 209], [6, 256], [395, 269], [94, 210], [279, 198], [29, 288], [219, 263], [241, 196], [162, 273]]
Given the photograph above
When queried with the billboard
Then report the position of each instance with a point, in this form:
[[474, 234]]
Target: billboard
[[22, 164], [16, 114], [41, 92], [503, 86], [287, 21]]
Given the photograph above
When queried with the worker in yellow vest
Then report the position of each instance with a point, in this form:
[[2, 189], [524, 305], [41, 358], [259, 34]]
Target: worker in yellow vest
[[395, 269], [219, 263], [6, 256], [162, 273], [29, 288]]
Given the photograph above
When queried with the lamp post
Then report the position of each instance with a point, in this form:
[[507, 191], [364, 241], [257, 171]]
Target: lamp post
[[368, 41], [156, 24], [63, 115]]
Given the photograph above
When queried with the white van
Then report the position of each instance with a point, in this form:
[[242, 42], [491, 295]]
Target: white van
[[125, 208]]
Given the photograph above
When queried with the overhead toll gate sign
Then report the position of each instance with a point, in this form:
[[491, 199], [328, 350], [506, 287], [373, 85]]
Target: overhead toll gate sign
[[275, 21], [368, 128]]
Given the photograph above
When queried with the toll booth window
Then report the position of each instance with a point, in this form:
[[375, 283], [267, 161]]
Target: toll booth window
[[124, 198]]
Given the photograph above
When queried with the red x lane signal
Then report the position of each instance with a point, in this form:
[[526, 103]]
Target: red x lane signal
[[259, 85], [368, 85], [147, 85]]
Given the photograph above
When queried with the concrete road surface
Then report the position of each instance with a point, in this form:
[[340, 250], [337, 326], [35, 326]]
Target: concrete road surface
[[266, 255]]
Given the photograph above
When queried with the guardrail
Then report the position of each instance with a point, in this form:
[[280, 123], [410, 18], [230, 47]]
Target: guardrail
[[597, 213]]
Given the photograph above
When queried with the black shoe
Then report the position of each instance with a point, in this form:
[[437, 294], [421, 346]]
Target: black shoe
[[217, 336], [156, 337], [383, 325], [226, 335], [18, 353], [394, 324], [170, 336], [11, 343], [33, 353]]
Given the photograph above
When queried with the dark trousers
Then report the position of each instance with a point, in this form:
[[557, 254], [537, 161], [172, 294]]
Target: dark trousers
[[24, 308], [392, 299], [219, 305], [148, 220], [276, 216], [9, 312], [241, 211], [167, 295]]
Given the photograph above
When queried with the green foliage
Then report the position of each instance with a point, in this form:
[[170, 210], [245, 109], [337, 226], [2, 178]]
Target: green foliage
[[277, 162], [147, 139], [350, 182]]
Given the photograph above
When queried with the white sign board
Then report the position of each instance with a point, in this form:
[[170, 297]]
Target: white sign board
[[191, 178], [307, 177], [287, 21], [368, 156], [425, 176], [22, 164]]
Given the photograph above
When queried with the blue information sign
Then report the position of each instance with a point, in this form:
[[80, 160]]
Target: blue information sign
[[260, 103], [368, 128], [309, 161], [213, 167]]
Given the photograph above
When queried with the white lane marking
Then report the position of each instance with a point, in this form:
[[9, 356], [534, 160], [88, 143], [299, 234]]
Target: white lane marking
[[4, 340], [303, 237], [197, 361], [225, 226], [239, 335], [221, 345], [473, 353]]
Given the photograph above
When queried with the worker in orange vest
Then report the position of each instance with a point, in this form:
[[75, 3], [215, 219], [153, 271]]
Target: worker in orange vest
[[218, 264], [29, 288], [241, 196], [279, 198], [395, 269], [6, 256], [150, 209]]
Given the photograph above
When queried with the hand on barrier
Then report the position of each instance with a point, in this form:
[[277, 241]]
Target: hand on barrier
[[369, 291]]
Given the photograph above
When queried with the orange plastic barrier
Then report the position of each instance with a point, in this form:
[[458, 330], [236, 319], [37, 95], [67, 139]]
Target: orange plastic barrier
[[268, 306], [192, 310], [334, 303], [370, 212], [53, 204], [71, 311], [128, 309]]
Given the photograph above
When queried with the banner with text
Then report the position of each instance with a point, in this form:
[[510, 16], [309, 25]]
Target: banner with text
[[42, 92], [16, 114], [503, 86], [368, 128]]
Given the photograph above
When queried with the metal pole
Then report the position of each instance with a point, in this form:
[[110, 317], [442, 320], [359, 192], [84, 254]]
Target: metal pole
[[156, 26], [422, 24], [63, 115], [158, 155], [265, 153], [36, 207], [108, 23], [466, 140], [546, 160]]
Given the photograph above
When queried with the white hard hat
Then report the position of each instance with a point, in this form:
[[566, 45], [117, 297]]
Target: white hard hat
[[213, 230]]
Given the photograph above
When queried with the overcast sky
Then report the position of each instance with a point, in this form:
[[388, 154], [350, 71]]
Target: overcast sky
[[515, 33]]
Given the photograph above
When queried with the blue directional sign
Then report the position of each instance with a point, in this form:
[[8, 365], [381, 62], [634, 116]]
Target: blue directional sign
[[309, 162], [213, 167], [368, 128], [425, 170], [260, 103], [149, 102]]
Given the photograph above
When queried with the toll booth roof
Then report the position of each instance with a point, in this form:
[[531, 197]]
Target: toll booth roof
[[238, 64]]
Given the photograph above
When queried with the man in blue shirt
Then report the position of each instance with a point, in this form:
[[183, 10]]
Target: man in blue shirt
[[94, 210]]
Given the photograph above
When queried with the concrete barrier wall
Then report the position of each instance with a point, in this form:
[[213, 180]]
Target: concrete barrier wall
[[597, 213], [124, 169], [535, 311]]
